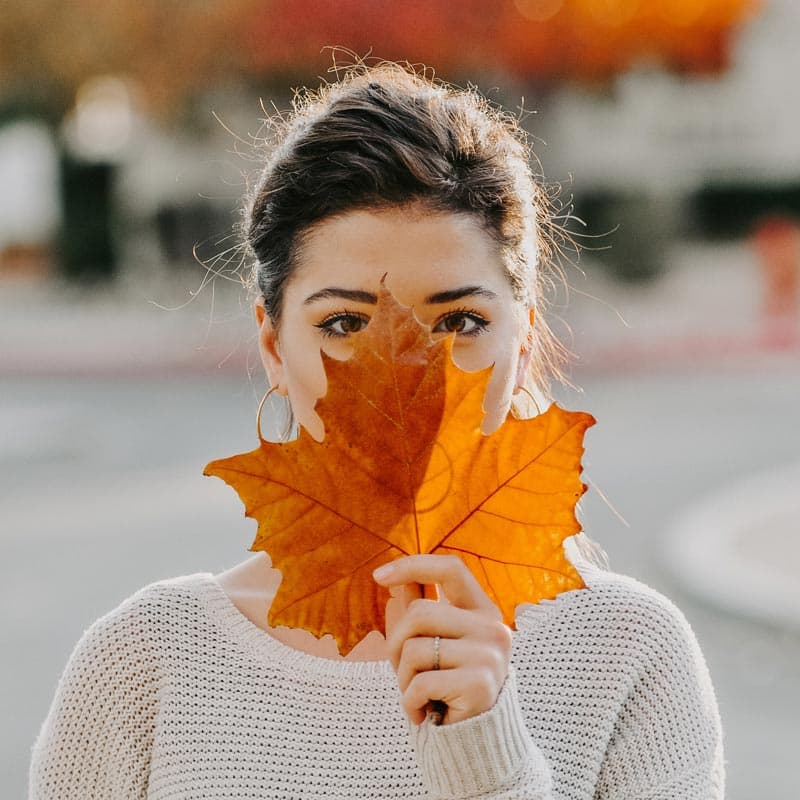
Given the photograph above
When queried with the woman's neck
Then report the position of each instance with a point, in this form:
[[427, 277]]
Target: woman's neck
[[251, 586]]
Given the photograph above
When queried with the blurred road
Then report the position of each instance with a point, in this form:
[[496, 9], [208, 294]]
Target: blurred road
[[102, 492]]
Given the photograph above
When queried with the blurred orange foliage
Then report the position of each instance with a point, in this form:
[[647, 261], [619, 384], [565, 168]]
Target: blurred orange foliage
[[173, 49], [531, 39], [49, 48]]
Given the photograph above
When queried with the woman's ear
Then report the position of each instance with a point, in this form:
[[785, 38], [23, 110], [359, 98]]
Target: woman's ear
[[269, 348]]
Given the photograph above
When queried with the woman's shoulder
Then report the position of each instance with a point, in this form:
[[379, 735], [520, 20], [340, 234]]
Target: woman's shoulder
[[98, 735], [615, 611], [171, 592], [616, 666], [152, 611], [166, 595]]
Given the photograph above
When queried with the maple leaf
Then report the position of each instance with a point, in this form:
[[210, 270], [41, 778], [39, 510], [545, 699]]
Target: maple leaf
[[404, 469]]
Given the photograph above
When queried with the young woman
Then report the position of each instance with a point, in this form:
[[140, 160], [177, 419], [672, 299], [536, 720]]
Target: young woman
[[184, 691]]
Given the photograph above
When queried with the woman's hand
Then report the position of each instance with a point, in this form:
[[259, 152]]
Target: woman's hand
[[474, 644]]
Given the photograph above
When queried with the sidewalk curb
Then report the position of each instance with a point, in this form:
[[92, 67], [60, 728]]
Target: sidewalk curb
[[738, 549]]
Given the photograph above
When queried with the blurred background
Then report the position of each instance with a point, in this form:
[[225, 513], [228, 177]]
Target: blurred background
[[127, 357]]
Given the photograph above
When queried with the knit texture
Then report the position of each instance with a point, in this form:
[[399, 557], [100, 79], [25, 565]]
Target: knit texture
[[175, 694]]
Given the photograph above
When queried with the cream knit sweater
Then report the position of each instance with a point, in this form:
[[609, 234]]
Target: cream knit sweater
[[175, 694]]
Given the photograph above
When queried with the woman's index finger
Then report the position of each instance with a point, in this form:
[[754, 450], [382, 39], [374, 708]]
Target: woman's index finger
[[450, 573], [402, 595]]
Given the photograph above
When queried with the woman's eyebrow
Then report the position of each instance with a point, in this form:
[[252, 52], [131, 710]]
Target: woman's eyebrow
[[360, 296], [356, 295], [456, 294]]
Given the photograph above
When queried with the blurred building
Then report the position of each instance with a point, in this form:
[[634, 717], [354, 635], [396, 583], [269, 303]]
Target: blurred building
[[661, 155], [29, 205]]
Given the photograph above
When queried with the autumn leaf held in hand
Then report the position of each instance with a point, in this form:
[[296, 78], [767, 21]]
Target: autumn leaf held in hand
[[405, 469]]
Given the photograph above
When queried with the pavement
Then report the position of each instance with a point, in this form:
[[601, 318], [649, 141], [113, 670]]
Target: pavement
[[736, 549], [739, 547]]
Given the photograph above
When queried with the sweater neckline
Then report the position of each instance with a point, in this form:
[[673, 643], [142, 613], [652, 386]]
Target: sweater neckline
[[267, 647]]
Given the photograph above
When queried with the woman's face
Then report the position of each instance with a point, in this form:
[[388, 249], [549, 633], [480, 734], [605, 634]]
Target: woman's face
[[443, 265]]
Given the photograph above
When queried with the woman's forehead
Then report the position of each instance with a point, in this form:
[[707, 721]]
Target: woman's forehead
[[426, 253]]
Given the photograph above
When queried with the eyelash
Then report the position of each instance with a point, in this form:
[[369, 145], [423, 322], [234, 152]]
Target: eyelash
[[481, 323], [326, 325]]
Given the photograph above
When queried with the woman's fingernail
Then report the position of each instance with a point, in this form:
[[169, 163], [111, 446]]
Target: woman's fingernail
[[381, 573]]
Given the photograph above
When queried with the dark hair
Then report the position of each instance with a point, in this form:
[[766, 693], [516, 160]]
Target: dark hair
[[387, 136]]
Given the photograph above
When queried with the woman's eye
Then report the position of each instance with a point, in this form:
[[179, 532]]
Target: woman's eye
[[343, 324], [466, 323]]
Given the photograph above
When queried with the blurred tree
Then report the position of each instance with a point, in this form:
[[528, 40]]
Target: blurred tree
[[48, 48]]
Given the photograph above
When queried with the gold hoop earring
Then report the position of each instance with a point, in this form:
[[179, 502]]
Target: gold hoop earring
[[530, 395], [260, 409]]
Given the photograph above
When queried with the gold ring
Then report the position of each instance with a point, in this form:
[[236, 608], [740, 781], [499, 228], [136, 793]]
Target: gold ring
[[436, 644]]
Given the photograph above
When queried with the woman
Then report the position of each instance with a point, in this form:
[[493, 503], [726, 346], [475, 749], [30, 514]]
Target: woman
[[185, 691]]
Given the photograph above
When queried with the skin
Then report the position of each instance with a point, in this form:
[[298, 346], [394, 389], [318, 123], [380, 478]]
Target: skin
[[328, 300]]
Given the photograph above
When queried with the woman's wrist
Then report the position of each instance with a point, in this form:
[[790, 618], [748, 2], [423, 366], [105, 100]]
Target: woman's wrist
[[481, 754]]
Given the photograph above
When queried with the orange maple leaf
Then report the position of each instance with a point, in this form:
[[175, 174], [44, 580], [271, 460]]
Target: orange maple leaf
[[405, 469]]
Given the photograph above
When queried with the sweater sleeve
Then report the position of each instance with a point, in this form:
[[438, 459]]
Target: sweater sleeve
[[491, 755], [97, 737], [667, 739]]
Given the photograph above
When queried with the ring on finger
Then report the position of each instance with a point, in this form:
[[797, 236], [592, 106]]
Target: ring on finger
[[437, 640]]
